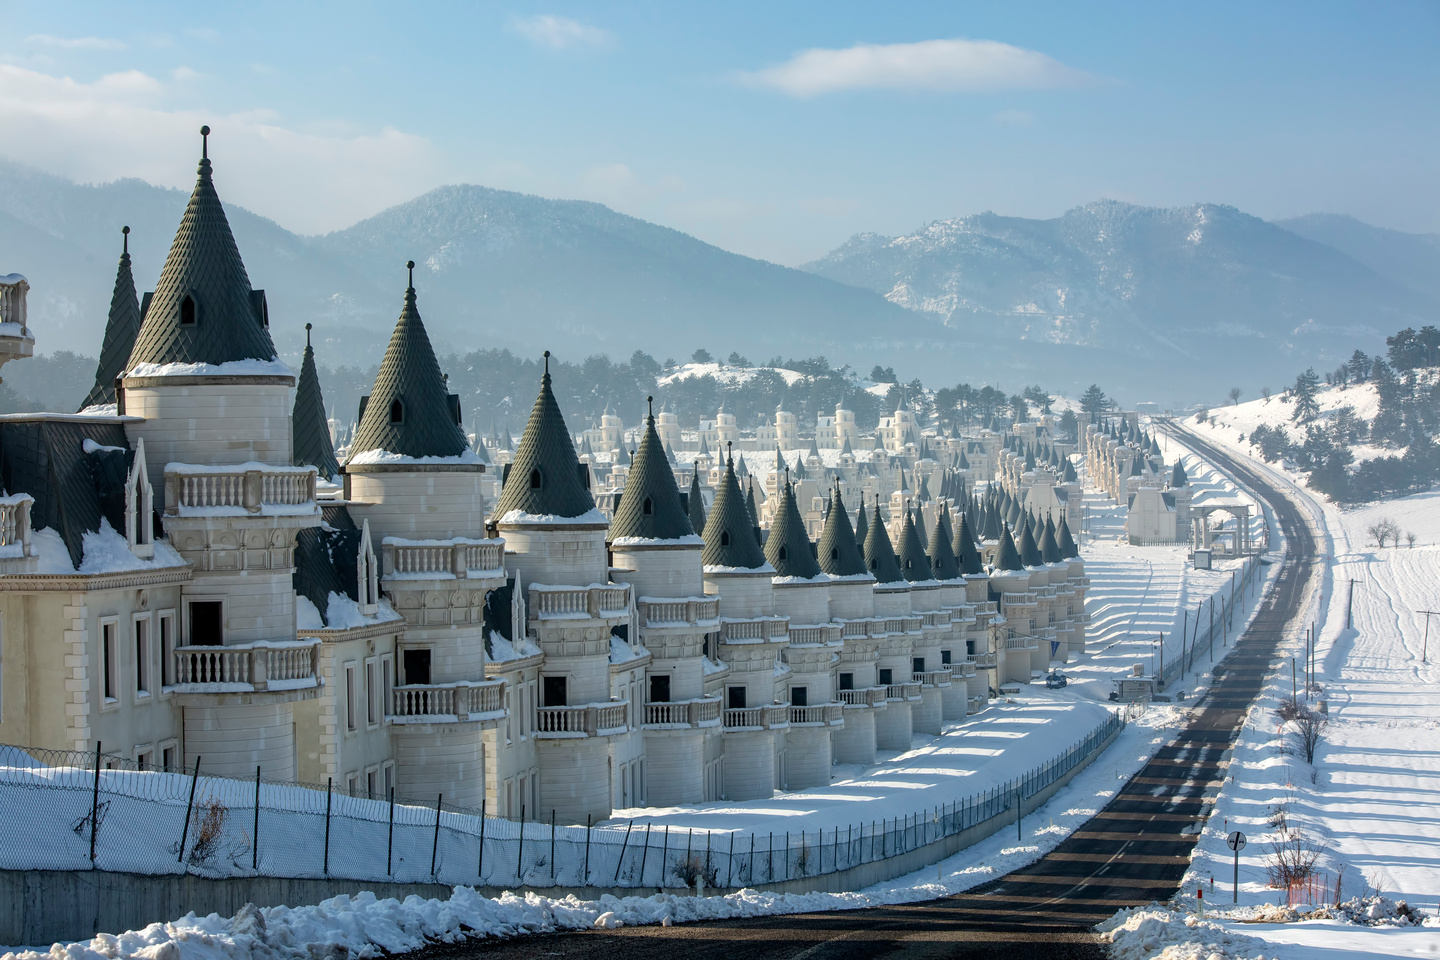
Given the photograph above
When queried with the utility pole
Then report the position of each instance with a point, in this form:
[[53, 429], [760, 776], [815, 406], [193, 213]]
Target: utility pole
[[1293, 692], [1425, 644]]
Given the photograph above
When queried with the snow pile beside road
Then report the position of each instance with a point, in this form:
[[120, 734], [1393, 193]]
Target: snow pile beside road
[[1154, 933]]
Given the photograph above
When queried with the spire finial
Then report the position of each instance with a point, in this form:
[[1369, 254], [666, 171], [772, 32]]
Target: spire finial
[[205, 142], [410, 267], [307, 334], [547, 364], [125, 241], [729, 456], [649, 404]]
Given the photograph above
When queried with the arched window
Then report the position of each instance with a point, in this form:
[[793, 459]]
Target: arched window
[[397, 411], [535, 479], [783, 553], [647, 507], [909, 564], [725, 538], [187, 311], [875, 564], [834, 553]]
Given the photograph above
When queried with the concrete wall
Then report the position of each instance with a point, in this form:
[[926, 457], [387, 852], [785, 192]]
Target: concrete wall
[[426, 505]]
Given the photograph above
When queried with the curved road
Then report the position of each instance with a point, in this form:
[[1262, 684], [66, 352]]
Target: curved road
[[1134, 851]]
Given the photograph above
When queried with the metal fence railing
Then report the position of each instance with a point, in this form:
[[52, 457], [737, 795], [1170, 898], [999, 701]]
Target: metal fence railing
[[1213, 623], [79, 811]]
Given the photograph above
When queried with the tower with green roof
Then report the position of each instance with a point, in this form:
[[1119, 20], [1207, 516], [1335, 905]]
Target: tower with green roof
[[121, 327]]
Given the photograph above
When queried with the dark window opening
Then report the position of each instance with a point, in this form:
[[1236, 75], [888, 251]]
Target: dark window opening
[[397, 411], [724, 538], [417, 666], [847, 681], [834, 553], [187, 311], [944, 658], [875, 563], [917, 664], [205, 624], [535, 479], [783, 553], [970, 647], [648, 507], [552, 689], [264, 314], [660, 689], [799, 697], [735, 698], [886, 677]]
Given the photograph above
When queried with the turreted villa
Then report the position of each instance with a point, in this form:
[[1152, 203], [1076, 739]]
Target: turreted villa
[[188, 569]]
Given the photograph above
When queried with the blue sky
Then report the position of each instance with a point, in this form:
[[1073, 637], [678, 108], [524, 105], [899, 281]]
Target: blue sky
[[775, 130]]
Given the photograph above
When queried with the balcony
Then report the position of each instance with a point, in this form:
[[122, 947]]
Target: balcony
[[457, 559], [861, 629], [684, 612], [459, 702], [864, 697], [1022, 643], [683, 714], [822, 715], [584, 720], [1079, 582], [817, 635], [776, 716], [937, 618], [985, 661], [932, 678], [15, 532], [246, 667], [249, 489], [902, 691], [595, 602], [757, 630]]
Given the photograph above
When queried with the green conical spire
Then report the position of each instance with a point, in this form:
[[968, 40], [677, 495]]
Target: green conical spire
[[309, 425], [1029, 551], [1178, 476], [203, 309], [788, 548], [879, 555], [914, 564], [120, 330], [839, 551], [546, 477], [862, 527], [729, 539], [754, 511], [943, 564], [1008, 558], [1069, 475], [696, 501], [410, 412], [966, 554], [1068, 550], [650, 507], [1049, 546]]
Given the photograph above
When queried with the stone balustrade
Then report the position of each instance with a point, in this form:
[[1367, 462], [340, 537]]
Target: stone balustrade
[[820, 715], [756, 630], [687, 611], [15, 526], [457, 559], [249, 488], [817, 634], [937, 618], [460, 701], [902, 691], [702, 712], [582, 720], [933, 678], [775, 716], [863, 697], [595, 602], [1022, 643], [248, 667]]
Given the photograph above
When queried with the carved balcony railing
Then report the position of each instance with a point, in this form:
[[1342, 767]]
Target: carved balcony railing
[[863, 697], [686, 611], [902, 691], [595, 602], [455, 702], [458, 559], [582, 720], [683, 714], [254, 489], [933, 678], [15, 526], [823, 633], [775, 716], [243, 668], [757, 630], [820, 715]]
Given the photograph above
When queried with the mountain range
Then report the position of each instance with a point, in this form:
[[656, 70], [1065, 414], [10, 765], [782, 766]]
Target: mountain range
[[1169, 304]]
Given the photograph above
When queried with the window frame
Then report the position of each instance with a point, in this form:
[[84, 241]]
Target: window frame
[[144, 648], [163, 619], [350, 693], [109, 663], [373, 708], [164, 747], [190, 603]]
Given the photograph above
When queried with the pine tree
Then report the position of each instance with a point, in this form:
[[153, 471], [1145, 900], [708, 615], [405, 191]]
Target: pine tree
[[1093, 401], [1303, 393]]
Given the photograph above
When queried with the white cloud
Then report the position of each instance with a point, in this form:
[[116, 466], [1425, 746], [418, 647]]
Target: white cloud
[[75, 43], [957, 65], [559, 33], [311, 180]]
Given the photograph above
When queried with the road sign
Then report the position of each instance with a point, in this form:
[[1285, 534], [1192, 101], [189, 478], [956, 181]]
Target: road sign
[[1236, 841]]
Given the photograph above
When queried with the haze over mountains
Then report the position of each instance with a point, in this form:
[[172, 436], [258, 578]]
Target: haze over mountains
[[1173, 305]]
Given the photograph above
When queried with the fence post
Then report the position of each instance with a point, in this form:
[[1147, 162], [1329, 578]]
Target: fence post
[[95, 810], [730, 863], [750, 864], [435, 844], [552, 846], [185, 831], [621, 859], [664, 855], [770, 858], [329, 795], [390, 838], [787, 853], [645, 854], [587, 849], [480, 865], [520, 848], [255, 834]]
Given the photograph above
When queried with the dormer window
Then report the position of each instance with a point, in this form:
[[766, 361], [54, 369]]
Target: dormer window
[[187, 311], [397, 411], [535, 479], [725, 538], [648, 507], [139, 507], [834, 553], [783, 553]]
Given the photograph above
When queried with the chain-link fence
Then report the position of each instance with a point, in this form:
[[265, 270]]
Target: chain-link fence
[[76, 811]]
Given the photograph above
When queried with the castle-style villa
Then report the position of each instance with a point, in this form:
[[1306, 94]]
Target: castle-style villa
[[188, 574]]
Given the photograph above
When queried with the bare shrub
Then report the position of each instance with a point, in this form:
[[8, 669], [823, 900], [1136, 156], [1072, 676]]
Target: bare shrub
[[1382, 530], [1278, 817], [1308, 727], [208, 831], [1288, 710], [693, 868], [1291, 861], [1410, 539]]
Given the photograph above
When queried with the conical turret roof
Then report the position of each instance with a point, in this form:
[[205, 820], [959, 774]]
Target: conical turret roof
[[1178, 476], [1049, 546], [1069, 475], [225, 319], [121, 327], [846, 450], [943, 564], [696, 502], [862, 526], [729, 540], [914, 564], [1029, 551], [788, 548], [754, 511], [309, 425], [879, 555], [1068, 550], [545, 478], [650, 507], [1008, 558], [839, 552], [967, 556], [409, 412]]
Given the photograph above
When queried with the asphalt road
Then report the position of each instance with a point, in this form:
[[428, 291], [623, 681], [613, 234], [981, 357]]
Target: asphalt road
[[1134, 851]]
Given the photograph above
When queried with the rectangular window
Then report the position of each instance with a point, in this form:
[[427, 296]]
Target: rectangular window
[[917, 664], [372, 783], [145, 757], [554, 691], [735, 698], [169, 756], [167, 649], [372, 692], [885, 677], [387, 776], [799, 696], [109, 665], [944, 658], [970, 647], [417, 666], [350, 697], [352, 784], [206, 623], [387, 694], [142, 657], [847, 681], [659, 689]]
